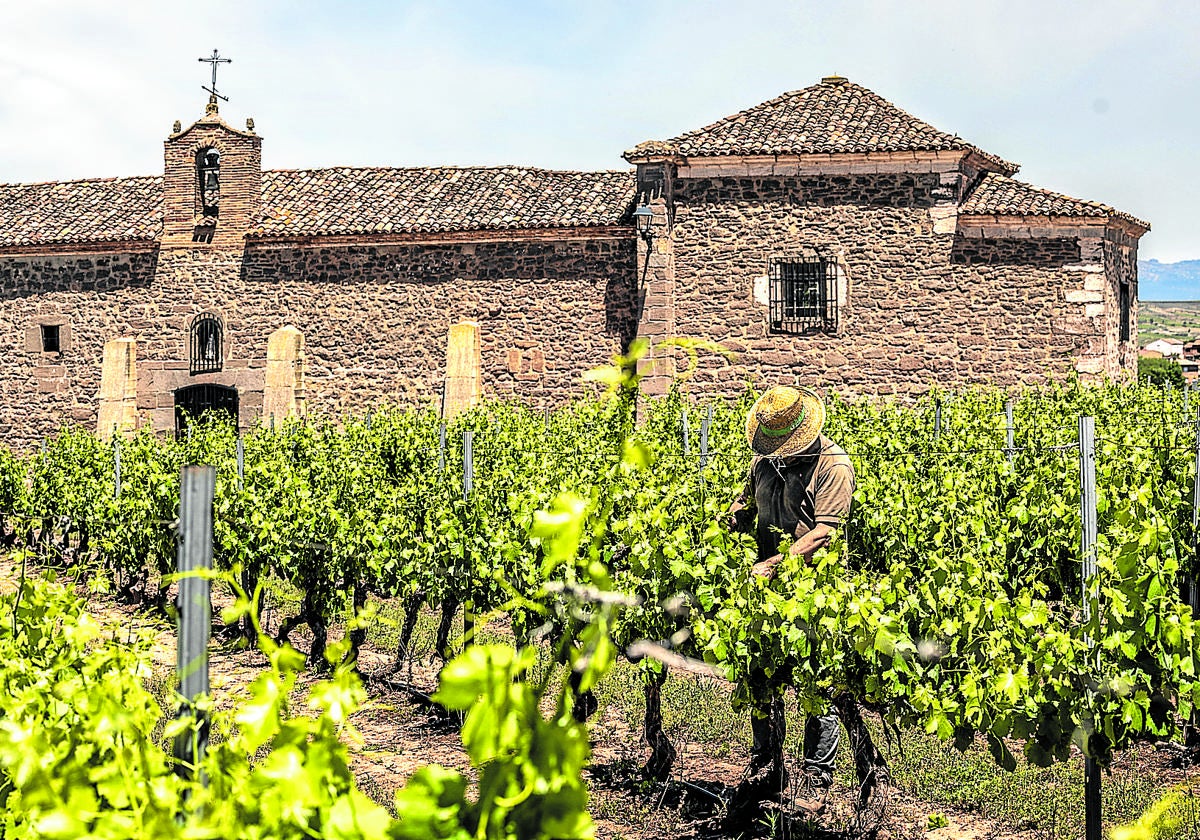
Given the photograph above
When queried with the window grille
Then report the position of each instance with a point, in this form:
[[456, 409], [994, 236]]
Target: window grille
[[51, 342], [803, 295], [1125, 306], [207, 346]]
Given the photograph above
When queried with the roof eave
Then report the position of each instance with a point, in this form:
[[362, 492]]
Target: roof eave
[[81, 246], [653, 151], [994, 163], [514, 234], [1134, 226], [658, 152], [1116, 220]]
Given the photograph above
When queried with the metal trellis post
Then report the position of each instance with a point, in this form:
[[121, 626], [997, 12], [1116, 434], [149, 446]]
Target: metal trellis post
[[116, 468], [704, 437], [1194, 594], [442, 448], [937, 420], [241, 462], [1087, 503], [468, 463], [687, 444], [468, 486], [1008, 428], [197, 485]]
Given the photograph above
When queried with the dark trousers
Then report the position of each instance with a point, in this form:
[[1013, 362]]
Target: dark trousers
[[822, 734]]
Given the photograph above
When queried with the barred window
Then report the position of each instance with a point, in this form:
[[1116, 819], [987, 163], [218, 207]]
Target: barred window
[[207, 346], [803, 295]]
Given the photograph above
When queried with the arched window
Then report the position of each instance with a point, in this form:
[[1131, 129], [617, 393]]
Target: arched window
[[208, 171], [207, 346]]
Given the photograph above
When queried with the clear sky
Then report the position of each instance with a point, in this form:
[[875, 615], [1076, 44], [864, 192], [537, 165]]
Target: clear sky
[[1097, 99]]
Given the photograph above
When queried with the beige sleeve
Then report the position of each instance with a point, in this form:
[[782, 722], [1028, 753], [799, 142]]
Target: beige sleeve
[[835, 490]]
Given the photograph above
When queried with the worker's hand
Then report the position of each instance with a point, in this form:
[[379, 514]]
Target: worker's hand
[[766, 568], [737, 519]]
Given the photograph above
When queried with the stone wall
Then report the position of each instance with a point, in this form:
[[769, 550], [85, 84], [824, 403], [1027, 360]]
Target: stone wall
[[1120, 266], [921, 306], [374, 321], [925, 296], [375, 318], [93, 297]]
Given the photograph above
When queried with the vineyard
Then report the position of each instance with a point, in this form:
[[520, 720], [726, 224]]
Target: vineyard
[[952, 602]]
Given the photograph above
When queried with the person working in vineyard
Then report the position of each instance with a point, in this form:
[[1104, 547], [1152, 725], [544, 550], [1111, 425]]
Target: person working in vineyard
[[799, 487]]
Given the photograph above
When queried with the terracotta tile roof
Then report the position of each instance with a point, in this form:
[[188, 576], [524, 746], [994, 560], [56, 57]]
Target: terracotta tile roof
[[996, 195], [424, 200], [835, 116], [318, 202], [98, 210]]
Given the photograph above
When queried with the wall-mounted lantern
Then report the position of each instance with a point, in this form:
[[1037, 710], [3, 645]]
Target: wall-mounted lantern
[[642, 217]]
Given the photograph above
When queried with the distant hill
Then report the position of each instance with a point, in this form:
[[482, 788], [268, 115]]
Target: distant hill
[[1168, 281], [1176, 321]]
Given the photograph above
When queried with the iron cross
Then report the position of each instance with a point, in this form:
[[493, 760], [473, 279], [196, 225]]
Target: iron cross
[[214, 60]]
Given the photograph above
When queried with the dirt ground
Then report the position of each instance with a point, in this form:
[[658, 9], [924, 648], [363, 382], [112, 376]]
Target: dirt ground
[[401, 731]]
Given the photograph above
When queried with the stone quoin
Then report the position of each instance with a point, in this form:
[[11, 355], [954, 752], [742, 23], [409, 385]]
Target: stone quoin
[[824, 237]]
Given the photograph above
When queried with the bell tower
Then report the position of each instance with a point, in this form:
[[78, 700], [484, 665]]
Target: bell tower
[[212, 182]]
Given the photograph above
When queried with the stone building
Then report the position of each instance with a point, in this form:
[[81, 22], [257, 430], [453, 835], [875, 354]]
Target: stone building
[[829, 235], [824, 236]]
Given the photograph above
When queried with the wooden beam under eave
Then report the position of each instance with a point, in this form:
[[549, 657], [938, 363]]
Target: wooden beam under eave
[[65, 249], [613, 232]]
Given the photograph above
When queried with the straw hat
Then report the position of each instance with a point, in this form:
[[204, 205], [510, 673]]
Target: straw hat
[[785, 421]]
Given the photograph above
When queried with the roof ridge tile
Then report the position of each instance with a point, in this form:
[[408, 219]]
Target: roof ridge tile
[[105, 180], [505, 167]]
